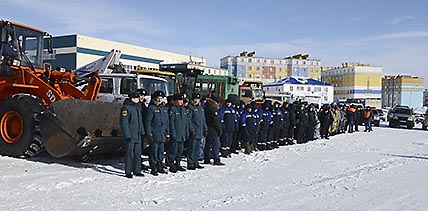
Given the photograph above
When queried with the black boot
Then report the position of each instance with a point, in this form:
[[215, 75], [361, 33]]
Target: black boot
[[173, 168], [161, 170], [247, 148], [179, 167], [154, 171]]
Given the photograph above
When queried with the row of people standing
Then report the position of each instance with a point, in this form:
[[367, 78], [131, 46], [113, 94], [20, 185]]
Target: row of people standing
[[226, 128], [167, 128]]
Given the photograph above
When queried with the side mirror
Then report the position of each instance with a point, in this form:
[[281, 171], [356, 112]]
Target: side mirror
[[49, 39], [50, 50]]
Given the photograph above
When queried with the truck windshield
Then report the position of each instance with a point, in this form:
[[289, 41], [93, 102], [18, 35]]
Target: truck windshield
[[258, 93], [403, 111], [151, 85], [31, 44]]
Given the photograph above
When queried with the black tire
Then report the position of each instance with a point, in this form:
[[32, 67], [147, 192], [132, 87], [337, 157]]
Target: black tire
[[29, 142], [424, 127], [377, 123]]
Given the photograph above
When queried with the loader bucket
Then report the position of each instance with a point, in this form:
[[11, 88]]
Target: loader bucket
[[81, 127]]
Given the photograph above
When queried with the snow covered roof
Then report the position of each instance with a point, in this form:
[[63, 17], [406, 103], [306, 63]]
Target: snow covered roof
[[298, 80]]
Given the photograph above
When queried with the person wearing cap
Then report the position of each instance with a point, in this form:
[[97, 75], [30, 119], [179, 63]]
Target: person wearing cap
[[179, 128], [277, 118], [248, 129], [212, 145], [198, 131], [142, 93], [157, 130], [228, 121], [265, 123], [131, 124], [285, 124]]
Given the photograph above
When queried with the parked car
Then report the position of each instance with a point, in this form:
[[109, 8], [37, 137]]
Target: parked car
[[425, 122], [419, 118], [378, 116], [401, 115]]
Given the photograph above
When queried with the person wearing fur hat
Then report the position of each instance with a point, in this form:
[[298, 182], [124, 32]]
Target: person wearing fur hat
[[131, 124], [157, 130], [212, 145]]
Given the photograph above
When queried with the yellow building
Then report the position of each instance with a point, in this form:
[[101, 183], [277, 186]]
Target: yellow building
[[356, 81]]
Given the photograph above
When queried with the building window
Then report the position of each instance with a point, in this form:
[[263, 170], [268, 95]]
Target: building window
[[242, 59], [257, 68], [271, 69], [249, 75], [291, 88], [280, 69], [264, 76], [300, 88], [257, 76], [272, 61], [271, 77], [308, 89], [250, 68]]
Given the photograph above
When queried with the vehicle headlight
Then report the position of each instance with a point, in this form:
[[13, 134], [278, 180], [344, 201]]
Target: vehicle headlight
[[395, 117], [410, 119], [14, 62]]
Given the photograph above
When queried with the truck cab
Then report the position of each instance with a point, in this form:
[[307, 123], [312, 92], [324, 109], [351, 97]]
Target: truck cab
[[115, 87]]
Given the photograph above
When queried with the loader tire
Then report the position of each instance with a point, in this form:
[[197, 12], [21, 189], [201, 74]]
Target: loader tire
[[20, 134]]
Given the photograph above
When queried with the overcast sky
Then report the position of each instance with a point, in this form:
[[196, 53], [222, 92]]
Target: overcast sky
[[392, 34]]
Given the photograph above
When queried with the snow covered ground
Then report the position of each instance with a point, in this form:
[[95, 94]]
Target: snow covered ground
[[383, 170]]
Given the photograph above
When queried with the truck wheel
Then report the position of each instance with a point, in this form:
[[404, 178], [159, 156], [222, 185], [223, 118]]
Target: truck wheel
[[424, 127], [20, 134]]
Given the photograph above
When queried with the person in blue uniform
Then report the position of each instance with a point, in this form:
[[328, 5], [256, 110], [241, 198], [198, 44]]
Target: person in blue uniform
[[248, 128], [179, 130], [228, 122], [157, 130], [131, 123], [198, 131], [265, 123]]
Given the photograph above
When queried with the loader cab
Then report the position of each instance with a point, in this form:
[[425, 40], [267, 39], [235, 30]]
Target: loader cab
[[21, 45], [116, 87]]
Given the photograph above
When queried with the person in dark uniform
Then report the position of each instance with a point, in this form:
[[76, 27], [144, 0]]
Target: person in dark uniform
[[131, 123], [265, 123], [157, 130], [285, 124], [301, 124], [198, 130], [212, 145], [248, 129], [179, 129], [143, 106], [310, 133], [326, 119], [228, 122], [278, 119]]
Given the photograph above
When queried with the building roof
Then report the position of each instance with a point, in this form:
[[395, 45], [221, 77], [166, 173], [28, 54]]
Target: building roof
[[299, 80]]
